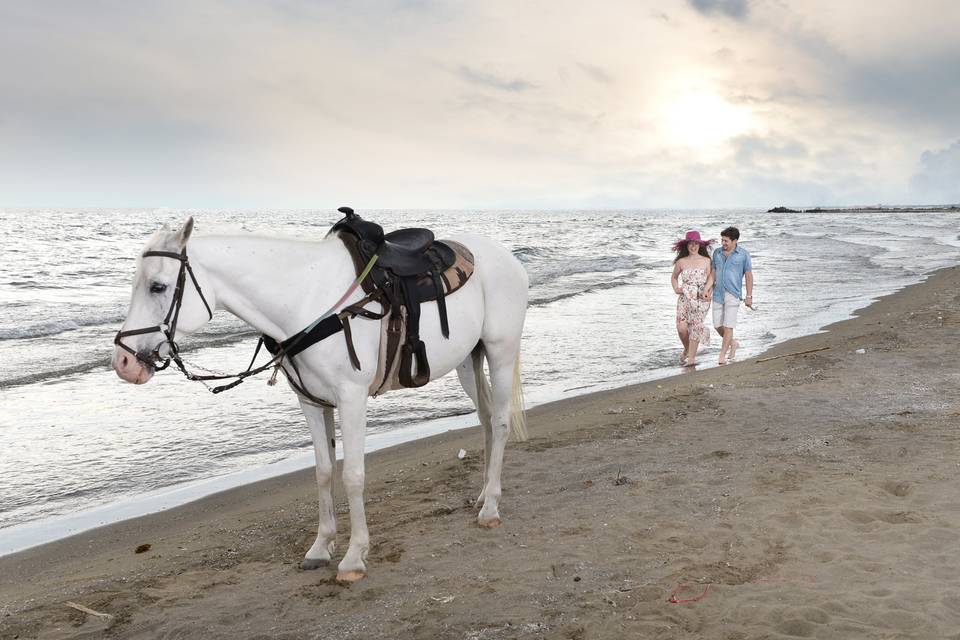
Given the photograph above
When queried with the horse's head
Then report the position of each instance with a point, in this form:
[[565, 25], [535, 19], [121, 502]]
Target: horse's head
[[166, 298]]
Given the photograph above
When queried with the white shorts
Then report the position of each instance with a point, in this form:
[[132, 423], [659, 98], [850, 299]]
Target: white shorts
[[725, 315]]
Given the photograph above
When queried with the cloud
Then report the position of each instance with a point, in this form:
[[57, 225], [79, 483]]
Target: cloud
[[400, 103], [490, 80], [938, 181], [724, 54], [920, 90], [753, 150], [596, 73], [736, 9]]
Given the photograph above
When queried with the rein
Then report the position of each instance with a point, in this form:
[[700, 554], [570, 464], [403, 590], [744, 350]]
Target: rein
[[326, 325]]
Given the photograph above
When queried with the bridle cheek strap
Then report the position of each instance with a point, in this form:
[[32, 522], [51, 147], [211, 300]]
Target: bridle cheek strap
[[169, 326]]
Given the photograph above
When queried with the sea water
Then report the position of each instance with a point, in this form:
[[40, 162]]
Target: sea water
[[77, 440]]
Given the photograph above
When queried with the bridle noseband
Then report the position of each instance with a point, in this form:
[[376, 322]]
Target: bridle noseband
[[169, 325]]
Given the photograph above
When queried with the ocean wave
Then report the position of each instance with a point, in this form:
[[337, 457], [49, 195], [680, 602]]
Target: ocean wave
[[53, 327], [190, 345], [527, 254], [31, 284], [566, 267], [600, 286], [52, 374], [217, 329]]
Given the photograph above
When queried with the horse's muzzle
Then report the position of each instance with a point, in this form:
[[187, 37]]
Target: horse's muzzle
[[131, 368]]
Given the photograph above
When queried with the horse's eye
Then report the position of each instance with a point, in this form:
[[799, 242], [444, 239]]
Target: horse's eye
[[157, 287]]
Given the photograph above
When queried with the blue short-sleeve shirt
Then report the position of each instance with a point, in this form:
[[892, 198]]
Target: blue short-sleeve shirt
[[729, 271]]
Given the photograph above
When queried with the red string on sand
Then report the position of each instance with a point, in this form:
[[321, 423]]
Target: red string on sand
[[675, 600]]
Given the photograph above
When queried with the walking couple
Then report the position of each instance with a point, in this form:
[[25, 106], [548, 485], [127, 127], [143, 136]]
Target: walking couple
[[699, 278]]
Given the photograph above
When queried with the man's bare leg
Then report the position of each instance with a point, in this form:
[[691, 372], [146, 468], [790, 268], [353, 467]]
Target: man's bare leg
[[727, 334]]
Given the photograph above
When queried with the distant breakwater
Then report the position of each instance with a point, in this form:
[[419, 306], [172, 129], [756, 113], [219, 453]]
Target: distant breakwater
[[871, 209]]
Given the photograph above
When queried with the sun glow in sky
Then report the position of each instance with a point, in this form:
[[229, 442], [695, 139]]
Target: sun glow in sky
[[701, 118], [496, 104]]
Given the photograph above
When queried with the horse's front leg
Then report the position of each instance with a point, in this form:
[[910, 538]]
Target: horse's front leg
[[320, 421], [353, 425]]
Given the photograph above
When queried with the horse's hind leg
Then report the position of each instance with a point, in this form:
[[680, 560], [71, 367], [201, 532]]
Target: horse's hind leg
[[474, 382], [503, 360], [320, 421]]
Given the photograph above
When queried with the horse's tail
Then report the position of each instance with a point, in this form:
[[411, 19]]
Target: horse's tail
[[518, 413], [518, 416]]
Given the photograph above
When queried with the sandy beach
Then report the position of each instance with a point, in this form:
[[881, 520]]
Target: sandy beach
[[810, 495]]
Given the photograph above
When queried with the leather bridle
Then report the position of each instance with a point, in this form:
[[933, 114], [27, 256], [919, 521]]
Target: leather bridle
[[169, 325], [325, 326]]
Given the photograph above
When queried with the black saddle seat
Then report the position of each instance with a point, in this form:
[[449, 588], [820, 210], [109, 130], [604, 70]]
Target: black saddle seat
[[403, 251]]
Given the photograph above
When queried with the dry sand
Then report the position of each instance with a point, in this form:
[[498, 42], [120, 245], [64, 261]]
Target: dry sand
[[805, 496]]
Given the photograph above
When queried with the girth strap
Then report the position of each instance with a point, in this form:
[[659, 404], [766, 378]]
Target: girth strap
[[441, 305], [413, 348]]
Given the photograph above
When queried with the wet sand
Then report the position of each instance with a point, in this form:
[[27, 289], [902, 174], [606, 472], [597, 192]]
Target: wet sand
[[813, 495]]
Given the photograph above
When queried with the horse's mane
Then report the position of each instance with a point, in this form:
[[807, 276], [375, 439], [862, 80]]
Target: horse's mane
[[165, 239]]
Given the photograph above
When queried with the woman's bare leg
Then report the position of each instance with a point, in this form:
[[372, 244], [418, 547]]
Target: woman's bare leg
[[684, 333], [692, 347]]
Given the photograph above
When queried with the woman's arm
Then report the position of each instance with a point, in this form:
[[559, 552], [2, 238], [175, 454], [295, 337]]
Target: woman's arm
[[674, 279], [708, 288]]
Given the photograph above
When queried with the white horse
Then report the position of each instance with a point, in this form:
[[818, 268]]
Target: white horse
[[279, 286]]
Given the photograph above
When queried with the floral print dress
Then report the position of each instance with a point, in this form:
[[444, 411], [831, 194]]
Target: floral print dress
[[691, 307]]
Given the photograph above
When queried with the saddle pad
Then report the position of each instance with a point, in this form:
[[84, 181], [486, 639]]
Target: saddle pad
[[393, 331]]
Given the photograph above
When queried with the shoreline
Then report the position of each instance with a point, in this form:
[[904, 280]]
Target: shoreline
[[162, 500], [686, 490], [300, 463]]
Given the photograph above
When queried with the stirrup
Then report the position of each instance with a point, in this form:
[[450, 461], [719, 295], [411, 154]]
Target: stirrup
[[410, 351]]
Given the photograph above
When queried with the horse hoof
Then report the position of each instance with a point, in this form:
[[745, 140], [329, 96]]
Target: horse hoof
[[492, 523], [309, 564], [349, 576]]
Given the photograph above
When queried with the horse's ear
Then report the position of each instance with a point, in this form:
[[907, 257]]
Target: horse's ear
[[184, 234]]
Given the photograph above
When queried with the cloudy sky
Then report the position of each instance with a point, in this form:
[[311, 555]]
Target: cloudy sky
[[485, 104]]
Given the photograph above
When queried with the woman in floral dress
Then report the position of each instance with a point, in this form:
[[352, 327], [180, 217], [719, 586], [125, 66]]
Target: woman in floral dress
[[692, 281]]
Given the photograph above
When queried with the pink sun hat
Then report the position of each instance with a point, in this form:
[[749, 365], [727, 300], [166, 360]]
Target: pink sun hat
[[692, 236]]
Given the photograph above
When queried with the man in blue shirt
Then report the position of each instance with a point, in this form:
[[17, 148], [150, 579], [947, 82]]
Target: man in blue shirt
[[731, 264]]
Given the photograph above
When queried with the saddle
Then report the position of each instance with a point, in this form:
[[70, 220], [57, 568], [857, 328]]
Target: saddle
[[412, 267]]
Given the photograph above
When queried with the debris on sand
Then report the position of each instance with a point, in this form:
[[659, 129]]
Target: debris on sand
[[88, 610]]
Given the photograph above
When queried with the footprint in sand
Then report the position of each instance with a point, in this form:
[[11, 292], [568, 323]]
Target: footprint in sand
[[818, 616], [899, 489], [890, 517], [804, 624], [951, 602], [797, 628]]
